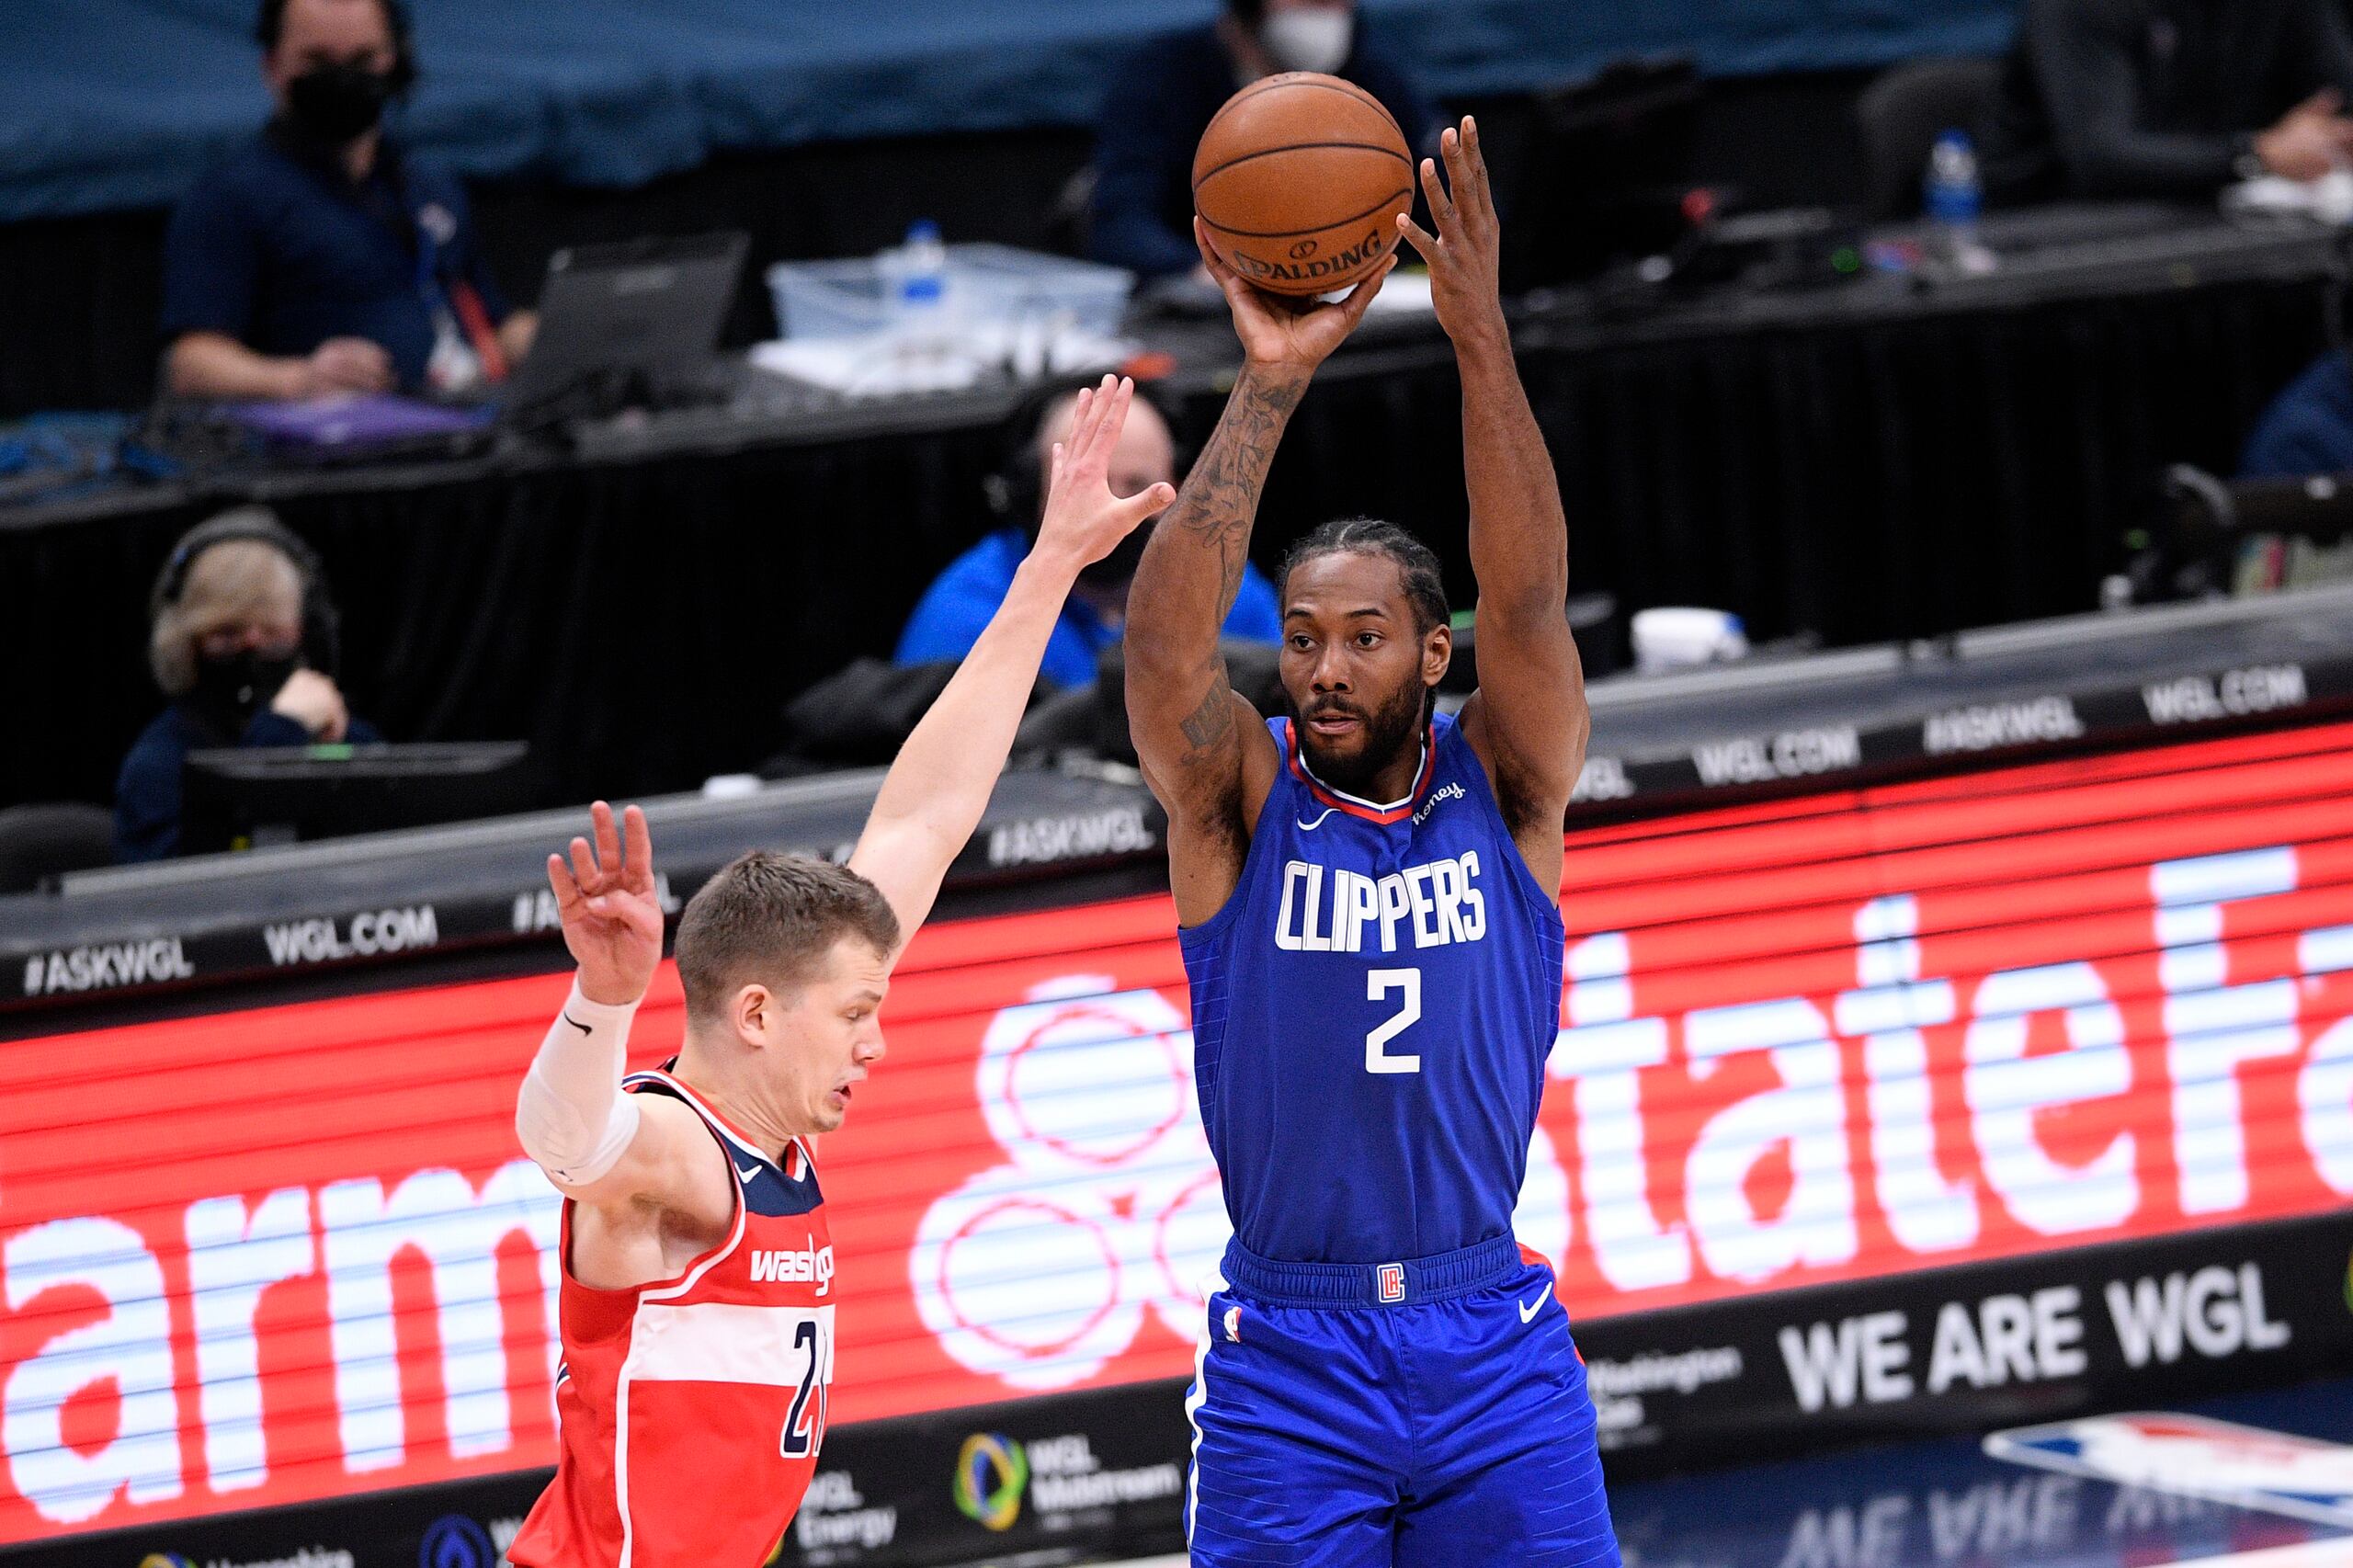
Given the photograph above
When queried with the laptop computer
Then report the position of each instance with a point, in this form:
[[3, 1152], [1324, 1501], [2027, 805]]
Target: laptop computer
[[633, 323]]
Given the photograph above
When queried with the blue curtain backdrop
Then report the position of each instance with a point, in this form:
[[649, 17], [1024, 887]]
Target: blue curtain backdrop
[[110, 104]]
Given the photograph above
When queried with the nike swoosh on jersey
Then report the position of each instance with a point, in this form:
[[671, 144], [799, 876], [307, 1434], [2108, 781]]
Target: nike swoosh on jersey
[[1528, 1309], [748, 1173], [1312, 827]]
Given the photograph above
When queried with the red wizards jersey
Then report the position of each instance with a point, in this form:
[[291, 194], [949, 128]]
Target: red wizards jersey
[[691, 1409]]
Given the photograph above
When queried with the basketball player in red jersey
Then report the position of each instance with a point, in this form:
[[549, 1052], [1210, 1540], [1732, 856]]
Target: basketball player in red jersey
[[696, 1299]]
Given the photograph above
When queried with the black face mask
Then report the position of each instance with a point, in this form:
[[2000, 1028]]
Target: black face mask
[[1118, 569], [338, 103], [232, 690]]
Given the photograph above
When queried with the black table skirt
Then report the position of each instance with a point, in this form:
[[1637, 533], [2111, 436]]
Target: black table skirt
[[1861, 476], [1913, 476]]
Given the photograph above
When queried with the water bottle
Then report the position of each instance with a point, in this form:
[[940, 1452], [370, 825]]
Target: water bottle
[[1955, 196], [918, 275]]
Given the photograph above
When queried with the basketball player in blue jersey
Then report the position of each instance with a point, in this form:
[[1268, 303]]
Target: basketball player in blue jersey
[[1371, 931]]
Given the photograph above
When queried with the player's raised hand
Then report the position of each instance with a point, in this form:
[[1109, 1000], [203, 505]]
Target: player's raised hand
[[1280, 332], [612, 915], [1084, 519], [1462, 254]]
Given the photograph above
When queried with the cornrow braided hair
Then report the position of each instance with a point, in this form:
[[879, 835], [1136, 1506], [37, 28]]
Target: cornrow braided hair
[[1417, 566]]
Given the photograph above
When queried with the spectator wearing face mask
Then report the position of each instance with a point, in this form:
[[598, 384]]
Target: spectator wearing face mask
[[242, 642], [322, 258], [1162, 101]]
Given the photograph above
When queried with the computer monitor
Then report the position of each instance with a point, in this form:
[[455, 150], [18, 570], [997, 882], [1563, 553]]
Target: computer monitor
[[249, 797], [618, 323]]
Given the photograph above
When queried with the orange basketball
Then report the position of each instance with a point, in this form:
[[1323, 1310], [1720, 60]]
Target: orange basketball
[[1299, 178]]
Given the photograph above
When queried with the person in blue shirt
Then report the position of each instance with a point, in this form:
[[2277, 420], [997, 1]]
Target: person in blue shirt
[[322, 258], [1164, 100], [953, 611], [243, 643], [2308, 430]]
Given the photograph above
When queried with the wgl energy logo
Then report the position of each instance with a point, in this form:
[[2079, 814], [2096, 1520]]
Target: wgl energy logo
[[991, 1470]]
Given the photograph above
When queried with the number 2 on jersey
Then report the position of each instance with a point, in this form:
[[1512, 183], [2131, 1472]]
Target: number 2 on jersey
[[1379, 983], [805, 1427]]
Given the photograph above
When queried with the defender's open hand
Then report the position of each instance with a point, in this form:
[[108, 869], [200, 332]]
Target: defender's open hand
[[1462, 254], [1083, 520], [612, 915]]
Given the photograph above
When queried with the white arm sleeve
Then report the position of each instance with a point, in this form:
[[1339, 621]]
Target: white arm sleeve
[[571, 1115]]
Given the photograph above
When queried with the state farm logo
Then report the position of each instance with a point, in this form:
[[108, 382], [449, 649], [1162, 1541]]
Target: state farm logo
[[1042, 1269], [1107, 1191]]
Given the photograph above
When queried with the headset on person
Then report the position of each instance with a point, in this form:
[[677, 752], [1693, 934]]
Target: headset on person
[[322, 622], [1016, 490]]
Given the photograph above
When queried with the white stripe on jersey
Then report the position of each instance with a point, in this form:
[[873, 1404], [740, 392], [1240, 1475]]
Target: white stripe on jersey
[[1195, 1398], [715, 1342], [1421, 775]]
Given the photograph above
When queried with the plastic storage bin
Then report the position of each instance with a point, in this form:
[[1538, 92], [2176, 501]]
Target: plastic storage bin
[[998, 283], [988, 285], [829, 299]]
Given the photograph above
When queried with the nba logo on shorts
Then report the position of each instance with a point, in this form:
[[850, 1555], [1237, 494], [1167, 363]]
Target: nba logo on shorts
[[1392, 1280]]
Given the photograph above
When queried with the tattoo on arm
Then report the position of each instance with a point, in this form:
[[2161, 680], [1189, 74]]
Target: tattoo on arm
[[1192, 570], [1220, 501], [1211, 725]]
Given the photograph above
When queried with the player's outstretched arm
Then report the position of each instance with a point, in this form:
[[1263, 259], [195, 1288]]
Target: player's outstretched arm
[[940, 783], [1529, 720], [1205, 753], [604, 1148]]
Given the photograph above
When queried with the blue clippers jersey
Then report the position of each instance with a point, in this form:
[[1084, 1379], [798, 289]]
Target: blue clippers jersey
[[1372, 1013]]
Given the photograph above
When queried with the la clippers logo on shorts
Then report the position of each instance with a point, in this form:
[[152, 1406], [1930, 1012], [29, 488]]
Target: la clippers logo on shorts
[[1392, 1280]]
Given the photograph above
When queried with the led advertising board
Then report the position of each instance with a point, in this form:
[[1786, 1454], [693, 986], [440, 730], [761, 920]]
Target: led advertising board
[[289, 1252]]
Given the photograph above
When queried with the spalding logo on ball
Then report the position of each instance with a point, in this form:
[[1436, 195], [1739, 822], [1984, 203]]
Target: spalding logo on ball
[[1300, 179]]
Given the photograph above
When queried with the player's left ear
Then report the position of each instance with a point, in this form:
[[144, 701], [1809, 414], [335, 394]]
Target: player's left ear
[[759, 1012], [1438, 651]]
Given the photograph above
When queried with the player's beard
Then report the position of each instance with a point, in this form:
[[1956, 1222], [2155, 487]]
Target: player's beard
[[1389, 732]]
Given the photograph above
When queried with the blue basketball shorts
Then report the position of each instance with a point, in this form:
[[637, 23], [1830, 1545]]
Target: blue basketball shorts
[[1424, 1414]]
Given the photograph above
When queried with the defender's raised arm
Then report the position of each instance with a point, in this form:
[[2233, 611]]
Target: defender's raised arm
[[1528, 720], [1204, 751], [602, 1146], [940, 785]]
